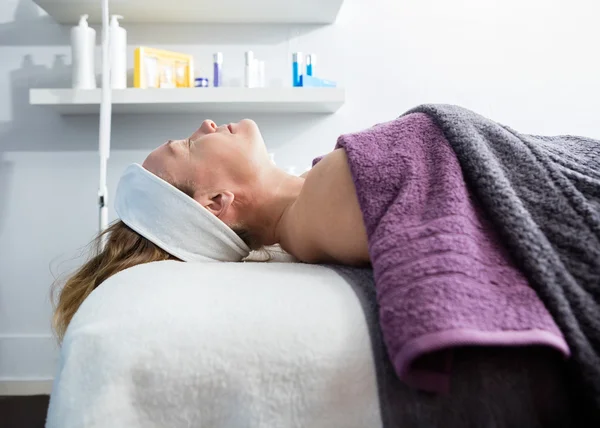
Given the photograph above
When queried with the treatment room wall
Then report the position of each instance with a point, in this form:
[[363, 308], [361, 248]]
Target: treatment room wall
[[532, 65]]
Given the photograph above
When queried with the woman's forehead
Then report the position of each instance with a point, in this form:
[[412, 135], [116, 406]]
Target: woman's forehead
[[160, 159]]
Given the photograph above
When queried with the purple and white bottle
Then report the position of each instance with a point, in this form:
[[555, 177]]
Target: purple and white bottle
[[218, 69]]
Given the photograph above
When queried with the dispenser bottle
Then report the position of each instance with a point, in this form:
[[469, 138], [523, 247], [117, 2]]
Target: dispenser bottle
[[83, 41], [118, 54]]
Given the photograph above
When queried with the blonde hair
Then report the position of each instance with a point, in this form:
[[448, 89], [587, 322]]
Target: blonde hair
[[123, 248]]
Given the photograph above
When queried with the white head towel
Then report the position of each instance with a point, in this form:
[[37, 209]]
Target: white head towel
[[173, 221]]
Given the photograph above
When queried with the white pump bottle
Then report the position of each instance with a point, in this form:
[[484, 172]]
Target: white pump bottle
[[83, 41], [118, 54]]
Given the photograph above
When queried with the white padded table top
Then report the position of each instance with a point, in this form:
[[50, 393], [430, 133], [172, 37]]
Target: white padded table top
[[218, 345]]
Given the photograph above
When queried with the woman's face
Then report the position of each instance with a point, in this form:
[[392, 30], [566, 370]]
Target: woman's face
[[212, 156]]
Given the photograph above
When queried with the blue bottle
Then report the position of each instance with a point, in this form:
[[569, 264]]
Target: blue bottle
[[296, 68], [310, 62]]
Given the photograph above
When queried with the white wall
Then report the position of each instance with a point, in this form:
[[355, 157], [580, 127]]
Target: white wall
[[531, 64]]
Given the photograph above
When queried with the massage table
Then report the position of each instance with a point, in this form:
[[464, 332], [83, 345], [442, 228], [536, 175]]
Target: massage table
[[171, 344]]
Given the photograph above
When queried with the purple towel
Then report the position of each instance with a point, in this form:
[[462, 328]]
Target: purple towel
[[443, 278]]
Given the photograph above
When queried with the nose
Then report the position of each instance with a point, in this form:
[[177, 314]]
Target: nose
[[208, 126]]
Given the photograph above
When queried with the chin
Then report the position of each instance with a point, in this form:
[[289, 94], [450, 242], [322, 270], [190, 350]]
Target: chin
[[250, 128]]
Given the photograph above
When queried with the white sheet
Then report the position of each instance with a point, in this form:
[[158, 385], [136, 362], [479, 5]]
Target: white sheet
[[173, 344]]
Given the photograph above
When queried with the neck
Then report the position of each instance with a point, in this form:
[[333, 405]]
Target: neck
[[279, 192]]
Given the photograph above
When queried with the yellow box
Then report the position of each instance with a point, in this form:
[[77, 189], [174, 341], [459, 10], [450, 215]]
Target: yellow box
[[156, 68]]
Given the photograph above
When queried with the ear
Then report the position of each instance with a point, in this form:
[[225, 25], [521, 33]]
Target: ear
[[219, 203]]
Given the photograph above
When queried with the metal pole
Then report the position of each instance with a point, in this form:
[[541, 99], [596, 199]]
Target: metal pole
[[105, 120]]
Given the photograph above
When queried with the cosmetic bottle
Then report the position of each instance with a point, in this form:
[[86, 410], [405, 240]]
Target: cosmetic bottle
[[261, 74], [249, 70], [201, 82], [254, 83], [83, 41], [218, 69], [118, 54], [310, 63], [296, 68]]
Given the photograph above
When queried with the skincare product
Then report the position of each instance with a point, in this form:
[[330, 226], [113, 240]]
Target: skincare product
[[83, 41], [261, 74], [310, 62], [296, 68], [254, 83], [201, 82], [218, 69], [118, 54], [249, 70], [157, 68]]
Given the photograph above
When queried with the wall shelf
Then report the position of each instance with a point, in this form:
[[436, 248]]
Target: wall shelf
[[199, 11], [193, 100]]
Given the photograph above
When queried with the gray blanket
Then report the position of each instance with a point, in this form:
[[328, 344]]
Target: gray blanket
[[489, 387], [543, 195]]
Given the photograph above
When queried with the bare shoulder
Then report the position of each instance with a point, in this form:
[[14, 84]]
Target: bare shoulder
[[327, 216], [337, 160]]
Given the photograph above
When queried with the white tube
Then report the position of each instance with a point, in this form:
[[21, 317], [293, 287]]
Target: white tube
[[248, 74], [105, 118]]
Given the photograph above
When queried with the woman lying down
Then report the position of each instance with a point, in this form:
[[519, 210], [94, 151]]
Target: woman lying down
[[477, 235]]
